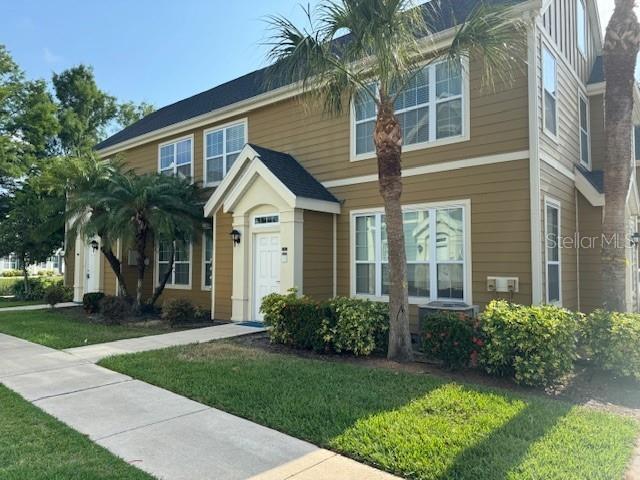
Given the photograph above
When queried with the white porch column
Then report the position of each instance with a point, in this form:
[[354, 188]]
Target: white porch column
[[291, 238], [240, 310]]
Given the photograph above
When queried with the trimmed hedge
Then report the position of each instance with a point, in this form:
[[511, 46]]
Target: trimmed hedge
[[114, 309], [178, 311], [340, 325], [91, 302], [454, 339], [37, 287], [535, 345], [612, 341]]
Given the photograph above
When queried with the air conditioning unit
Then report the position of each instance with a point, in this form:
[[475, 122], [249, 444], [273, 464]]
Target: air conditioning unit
[[434, 308]]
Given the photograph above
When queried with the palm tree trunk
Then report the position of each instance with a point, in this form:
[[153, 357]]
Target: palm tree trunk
[[116, 266], [622, 42], [141, 246], [163, 283], [388, 141], [25, 276]]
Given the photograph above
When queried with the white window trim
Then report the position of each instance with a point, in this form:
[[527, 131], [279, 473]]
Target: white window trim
[[265, 225], [553, 203], [169, 286], [582, 97], [244, 122], [547, 132], [466, 116], [467, 262], [585, 16], [203, 285], [175, 141]]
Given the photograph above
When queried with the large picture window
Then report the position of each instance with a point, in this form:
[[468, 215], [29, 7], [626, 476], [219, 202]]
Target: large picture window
[[435, 249], [552, 240], [181, 275], [222, 147], [550, 87], [176, 158], [429, 108]]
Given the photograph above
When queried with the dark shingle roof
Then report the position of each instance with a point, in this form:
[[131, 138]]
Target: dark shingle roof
[[450, 13], [293, 175], [597, 73], [595, 177]]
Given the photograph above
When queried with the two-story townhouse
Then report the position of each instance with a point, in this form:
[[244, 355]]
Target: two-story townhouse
[[489, 177]]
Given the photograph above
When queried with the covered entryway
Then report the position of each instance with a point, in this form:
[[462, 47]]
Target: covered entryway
[[92, 266], [266, 193]]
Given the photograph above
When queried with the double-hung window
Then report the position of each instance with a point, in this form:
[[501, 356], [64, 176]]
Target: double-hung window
[[581, 27], [222, 147], [429, 108], [585, 147], [181, 275], [207, 258], [435, 250], [552, 240], [550, 90], [176, 158]]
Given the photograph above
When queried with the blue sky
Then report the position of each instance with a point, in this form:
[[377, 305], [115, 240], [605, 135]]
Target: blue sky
[[156, 51]]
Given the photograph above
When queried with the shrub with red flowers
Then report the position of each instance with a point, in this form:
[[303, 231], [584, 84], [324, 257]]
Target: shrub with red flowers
[[453, 338]]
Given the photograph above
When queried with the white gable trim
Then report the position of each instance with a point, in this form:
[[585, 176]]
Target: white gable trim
[[585, 187]]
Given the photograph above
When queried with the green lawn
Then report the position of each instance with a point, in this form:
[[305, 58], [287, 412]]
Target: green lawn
[[34, 445], [67, 328], [413, 425], [4, 303]]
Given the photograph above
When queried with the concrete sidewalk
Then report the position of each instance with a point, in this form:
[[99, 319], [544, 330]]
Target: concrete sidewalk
[[164, 434], [28, 308], [95, 353]]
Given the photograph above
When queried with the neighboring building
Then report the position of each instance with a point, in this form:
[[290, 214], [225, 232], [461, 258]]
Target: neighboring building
[[54, 263], [488, 176]]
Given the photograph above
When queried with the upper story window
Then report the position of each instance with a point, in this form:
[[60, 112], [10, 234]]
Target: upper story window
[[552, 240], [429, 109], [585, 157], [176, 158], [181, 274], [435, 249], [550, 88], [221, 148], [581, 26]]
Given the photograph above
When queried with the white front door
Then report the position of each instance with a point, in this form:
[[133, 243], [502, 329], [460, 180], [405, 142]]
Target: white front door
[[266, 268], [92, 269]]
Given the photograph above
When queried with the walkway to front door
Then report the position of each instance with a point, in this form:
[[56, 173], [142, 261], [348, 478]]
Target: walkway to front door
[[266, 268]]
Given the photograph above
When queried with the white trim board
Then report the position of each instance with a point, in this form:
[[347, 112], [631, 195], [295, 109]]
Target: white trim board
[[435, 168], [593, 196]]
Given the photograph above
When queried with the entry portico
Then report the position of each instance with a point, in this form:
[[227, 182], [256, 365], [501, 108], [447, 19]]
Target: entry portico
[[267, 194]]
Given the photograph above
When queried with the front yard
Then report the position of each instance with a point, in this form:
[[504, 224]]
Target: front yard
[[70, 327], [10, 302], [413, 425], [35, 446]]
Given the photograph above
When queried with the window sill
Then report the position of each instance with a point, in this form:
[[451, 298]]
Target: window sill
[[177, 287], [416, 146], [412, 300]]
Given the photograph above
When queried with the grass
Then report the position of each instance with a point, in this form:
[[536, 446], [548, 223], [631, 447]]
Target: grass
[[412, 425], [6, 302], [67, 328], [35, 446]]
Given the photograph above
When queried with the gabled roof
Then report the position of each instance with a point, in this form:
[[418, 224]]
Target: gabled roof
[[283, 173], [597, 72], [452, 12], [293, 175]]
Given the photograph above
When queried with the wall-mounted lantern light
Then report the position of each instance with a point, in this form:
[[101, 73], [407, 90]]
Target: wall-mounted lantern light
[[235, 236], [635, 239], [94, 245]]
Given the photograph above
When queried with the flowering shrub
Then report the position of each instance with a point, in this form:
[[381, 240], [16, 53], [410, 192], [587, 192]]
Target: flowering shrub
[[535, 345], [612, 341], [455, 339]]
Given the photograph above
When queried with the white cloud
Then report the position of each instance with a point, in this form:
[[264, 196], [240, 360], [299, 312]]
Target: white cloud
[[50, 57], [605, 7]]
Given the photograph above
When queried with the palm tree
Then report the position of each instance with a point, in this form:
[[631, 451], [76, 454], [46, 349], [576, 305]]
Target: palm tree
[[621, 45], [379, 56], [82, 179], [138, 208]]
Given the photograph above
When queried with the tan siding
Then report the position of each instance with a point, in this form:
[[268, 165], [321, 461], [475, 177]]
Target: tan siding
[[223, 267], [500, 228], [318, 255], [562, 189], [590, 262], [108, 278]]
